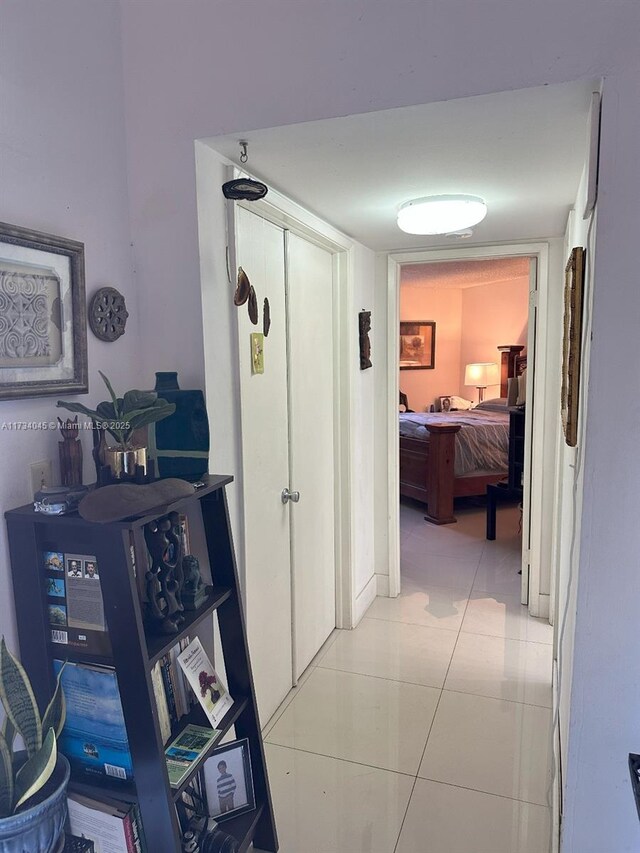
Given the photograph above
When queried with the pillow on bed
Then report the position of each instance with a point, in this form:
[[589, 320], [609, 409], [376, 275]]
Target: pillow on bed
[[498, 404], [522, 388], [512, 391], [451, 403]]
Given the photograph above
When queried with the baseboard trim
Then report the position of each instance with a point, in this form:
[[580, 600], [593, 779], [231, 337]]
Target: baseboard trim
[[382, 585], [557, 776], [365, 599]]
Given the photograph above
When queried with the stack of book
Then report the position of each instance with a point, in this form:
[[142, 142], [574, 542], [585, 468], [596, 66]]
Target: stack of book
[[113, 826]]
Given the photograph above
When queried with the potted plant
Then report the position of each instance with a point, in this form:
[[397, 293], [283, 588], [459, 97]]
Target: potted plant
[[121, 418], [33, 781]]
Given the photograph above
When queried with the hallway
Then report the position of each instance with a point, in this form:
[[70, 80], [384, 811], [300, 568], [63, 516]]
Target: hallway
[[428, 728]]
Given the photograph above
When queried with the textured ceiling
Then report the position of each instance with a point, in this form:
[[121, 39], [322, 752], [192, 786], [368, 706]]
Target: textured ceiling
[[462, 274], [522, 151]]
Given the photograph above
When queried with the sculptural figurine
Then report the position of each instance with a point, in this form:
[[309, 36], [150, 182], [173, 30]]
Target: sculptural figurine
[[364, 327], [194, 589], [164, 579], [70, 450]]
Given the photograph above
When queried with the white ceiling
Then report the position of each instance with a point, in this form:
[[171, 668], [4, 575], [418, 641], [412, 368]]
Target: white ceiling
[[522, 151], [459, 275]]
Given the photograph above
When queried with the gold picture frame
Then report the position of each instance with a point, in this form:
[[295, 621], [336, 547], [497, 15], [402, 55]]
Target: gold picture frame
[[572, 344], [418, 345]]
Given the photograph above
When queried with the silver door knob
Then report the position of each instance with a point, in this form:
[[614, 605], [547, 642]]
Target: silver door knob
[[290, 496]]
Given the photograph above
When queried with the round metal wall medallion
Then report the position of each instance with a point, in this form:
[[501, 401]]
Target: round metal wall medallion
[[108, 314]]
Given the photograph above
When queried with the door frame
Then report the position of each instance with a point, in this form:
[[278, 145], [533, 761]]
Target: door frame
[[536, 385], [291, 216]]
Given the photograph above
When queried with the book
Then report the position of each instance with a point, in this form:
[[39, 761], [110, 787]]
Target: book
[[94, 738], [75, 606], [205, 682], [106, 823], [187, 750], [161, 703]]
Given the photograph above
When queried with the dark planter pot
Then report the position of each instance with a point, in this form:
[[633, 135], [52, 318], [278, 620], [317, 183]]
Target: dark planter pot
[[38, 829], [180, 442]]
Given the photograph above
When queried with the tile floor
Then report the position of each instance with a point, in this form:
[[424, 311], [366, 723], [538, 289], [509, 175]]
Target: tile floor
[[428, 728]]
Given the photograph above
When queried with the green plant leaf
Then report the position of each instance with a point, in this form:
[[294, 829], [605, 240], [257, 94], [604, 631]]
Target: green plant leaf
[[33, 775], [8, 731], [161, 409], [6, 779], [114, 399], [19, 701], [56, 712], [79, 408], [106, 411], [137, 400]]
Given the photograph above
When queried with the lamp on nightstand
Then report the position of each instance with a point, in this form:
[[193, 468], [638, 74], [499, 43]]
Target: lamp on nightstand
[[481, 374]]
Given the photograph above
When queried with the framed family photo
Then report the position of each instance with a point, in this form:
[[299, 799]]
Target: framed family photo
[[229, 781], [43, 336], [418, 345]]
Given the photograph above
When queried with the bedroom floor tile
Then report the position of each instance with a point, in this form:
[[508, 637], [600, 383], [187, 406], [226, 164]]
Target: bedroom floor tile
[[445, 819], [359, 718], [490, 745], [325, 805], [500, 615], [413, 653], [434, 570]]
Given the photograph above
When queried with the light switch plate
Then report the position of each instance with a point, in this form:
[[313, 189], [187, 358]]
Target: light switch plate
[[41, 475]]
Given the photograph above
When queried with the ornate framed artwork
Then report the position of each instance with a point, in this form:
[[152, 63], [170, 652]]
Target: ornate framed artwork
[[43, 334], [572, 344], [418, 345]]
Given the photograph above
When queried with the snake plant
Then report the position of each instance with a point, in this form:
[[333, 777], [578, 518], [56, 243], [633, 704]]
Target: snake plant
[[122, 416], [20, 781]]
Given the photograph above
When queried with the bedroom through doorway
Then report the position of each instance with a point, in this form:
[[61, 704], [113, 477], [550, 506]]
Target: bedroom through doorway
[[463, 344]]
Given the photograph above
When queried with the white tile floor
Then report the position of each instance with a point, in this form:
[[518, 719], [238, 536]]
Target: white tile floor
[[428, 728]]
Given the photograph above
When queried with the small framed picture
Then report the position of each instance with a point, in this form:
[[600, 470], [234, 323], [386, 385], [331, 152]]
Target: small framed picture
[[418, 345], [229, 781]]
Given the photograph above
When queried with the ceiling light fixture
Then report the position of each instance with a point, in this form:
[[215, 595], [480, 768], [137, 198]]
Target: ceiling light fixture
[[441, 214]]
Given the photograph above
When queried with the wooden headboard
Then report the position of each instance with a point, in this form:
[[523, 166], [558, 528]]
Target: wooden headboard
[[512, 363]]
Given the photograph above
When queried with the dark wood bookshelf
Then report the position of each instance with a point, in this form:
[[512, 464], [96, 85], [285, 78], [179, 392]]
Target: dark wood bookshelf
[[120, 552]]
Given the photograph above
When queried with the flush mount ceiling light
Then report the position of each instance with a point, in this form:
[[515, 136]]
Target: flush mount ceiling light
[[441, 214]]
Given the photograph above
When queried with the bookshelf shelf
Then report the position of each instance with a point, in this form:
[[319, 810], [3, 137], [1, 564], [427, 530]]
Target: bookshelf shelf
[[119, 551], [157, 646]]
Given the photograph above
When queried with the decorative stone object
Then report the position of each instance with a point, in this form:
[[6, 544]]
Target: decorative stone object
[[252, 306], [108, 314], [194, 589], [364, 325], [164, 578], [242, 288], [266, 318]]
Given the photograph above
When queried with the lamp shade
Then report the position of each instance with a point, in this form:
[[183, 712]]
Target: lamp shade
[[482, 374], [441, 214]]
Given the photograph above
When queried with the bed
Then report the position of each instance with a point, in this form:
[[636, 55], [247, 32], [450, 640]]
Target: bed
[[445, 455]]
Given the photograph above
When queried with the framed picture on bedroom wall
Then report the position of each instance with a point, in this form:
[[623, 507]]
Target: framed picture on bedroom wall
[[418, 345], [572, 344]]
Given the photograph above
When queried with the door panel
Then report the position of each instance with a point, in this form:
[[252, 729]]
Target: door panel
[[265, 465], [311, 425]]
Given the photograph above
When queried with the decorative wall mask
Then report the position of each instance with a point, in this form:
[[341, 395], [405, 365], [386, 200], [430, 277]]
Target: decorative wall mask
[[364, 325], [253, 306], [266, 318], [108, 314], [243, 287]]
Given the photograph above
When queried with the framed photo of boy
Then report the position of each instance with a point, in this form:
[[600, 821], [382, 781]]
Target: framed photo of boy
[[43, 336], [229, 781], [418, 345]]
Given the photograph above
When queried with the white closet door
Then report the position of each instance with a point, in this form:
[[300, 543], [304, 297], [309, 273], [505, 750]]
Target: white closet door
[[311, 426], [265, 465]]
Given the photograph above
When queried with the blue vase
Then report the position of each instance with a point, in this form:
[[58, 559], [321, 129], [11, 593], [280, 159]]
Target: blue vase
[[180, 443], [38, 829]]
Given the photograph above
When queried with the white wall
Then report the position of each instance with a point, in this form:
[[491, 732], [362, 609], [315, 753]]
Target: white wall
[[62, 170], [605, 693]]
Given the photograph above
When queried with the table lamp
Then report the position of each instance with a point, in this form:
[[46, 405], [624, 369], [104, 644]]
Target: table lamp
[[481, 374]]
